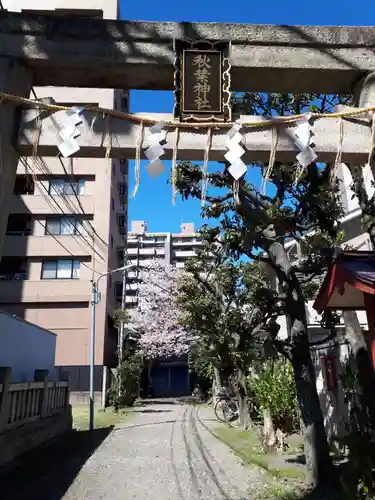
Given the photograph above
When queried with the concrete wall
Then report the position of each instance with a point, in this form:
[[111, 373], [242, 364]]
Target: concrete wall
[[16, 442], [62, 305], [25, 348]]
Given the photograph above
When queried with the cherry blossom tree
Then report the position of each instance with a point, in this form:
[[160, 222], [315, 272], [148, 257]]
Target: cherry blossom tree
[[158, 320]]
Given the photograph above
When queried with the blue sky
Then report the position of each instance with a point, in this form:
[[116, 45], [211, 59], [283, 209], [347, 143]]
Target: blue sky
[[153, 202]]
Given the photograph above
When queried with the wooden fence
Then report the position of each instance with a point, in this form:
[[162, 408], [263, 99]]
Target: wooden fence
[[27, 402]]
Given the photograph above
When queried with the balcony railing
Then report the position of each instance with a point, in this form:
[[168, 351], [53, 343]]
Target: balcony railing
[[19, 232], [21, 276]]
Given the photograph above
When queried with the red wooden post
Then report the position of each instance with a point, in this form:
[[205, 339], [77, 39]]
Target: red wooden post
[[370, 312]]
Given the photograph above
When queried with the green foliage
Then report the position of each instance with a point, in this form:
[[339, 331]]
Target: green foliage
[[274, 388], [285, 103], [200, 367], [124, 389], [359, 475], [119, 316], [302, 205], [214, 297]]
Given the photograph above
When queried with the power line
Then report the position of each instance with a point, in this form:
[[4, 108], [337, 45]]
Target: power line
[[50, 199], [91, 232], [79, 201], [64, 247], [44, 164]]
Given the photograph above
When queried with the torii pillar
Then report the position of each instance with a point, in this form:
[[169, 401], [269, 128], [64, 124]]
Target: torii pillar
[[364, 97], [16, 79]]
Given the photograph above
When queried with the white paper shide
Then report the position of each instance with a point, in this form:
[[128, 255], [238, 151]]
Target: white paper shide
[[234, 138], [156, 135]]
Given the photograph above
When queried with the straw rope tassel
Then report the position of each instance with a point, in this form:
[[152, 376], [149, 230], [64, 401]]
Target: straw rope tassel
[[137, 165], [205, 168], [174, 167], [339, 153], [108, 135], [236, 191], [36, 139], [271, 163], [372, 144]]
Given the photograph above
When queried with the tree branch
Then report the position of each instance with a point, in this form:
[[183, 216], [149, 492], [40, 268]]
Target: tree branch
[[329, 337]]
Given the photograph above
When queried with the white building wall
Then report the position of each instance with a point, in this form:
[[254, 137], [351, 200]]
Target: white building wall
[[25, 348]]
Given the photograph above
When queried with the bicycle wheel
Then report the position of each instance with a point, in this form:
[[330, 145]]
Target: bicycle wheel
[[255, 413], [226, 411], [219, 410]]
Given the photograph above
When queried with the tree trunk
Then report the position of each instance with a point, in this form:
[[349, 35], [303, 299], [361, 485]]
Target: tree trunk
[[363, 361], [216, 384], [269, 434], [149, 380], [243, 408], [318, 459]]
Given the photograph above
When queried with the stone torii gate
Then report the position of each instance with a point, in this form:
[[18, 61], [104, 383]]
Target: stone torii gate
[[51, 50]]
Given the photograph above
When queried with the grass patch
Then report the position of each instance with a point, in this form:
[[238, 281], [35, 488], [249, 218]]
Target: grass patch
[[102, 418], [246, 445], [276, 492]]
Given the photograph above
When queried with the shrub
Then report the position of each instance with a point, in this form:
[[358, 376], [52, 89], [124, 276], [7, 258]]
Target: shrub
[[125, 387], [274, 388], [200, 367]]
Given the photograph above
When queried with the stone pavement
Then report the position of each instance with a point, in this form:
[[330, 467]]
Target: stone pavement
[[165, 452]]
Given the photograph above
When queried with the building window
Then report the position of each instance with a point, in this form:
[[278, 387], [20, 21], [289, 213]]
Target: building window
[[13, 268], [111, 240], [124, 103], [60, 269], [122, 189], [24, 184], [112, 203], [63, 225], [113, 168], [19, 224], [66, 187], [121, 220], [120, 257], [118, 290]]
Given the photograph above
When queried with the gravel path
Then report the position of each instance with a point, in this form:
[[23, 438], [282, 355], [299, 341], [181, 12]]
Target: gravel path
[[166, 453]]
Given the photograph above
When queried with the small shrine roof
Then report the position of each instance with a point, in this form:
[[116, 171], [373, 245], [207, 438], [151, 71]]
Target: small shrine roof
[[350, 276]]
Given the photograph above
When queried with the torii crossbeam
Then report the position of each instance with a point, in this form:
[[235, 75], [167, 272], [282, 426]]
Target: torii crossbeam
[[42, 50]]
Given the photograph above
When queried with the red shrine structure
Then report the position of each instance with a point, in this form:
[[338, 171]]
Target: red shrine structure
[[350, 285]]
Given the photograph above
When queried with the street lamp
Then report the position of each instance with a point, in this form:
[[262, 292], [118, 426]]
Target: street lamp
[[95, 300]]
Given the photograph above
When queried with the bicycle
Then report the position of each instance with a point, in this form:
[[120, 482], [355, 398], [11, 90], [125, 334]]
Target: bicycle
[[226, 408]]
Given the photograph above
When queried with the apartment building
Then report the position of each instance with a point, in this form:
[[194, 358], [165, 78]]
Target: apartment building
[[67, 218], [144, 246], [170, 377]]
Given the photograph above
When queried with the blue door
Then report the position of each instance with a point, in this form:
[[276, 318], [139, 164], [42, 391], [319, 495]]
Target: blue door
[[179, 380], [160, 381]]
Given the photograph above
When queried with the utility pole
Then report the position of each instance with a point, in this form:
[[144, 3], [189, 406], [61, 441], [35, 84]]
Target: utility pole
[[95, 298], [122, 325], [94, 301]]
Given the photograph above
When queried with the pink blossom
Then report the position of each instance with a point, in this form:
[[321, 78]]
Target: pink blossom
[[158, 314]]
